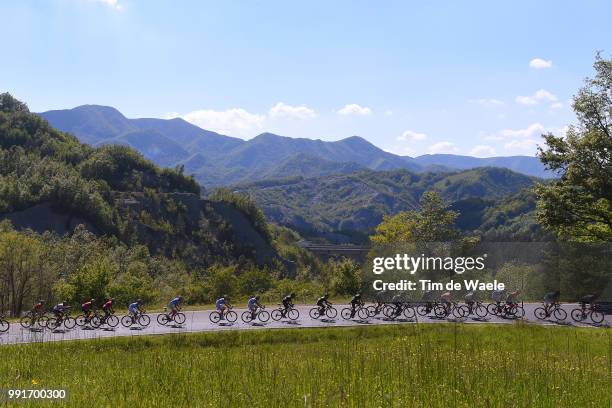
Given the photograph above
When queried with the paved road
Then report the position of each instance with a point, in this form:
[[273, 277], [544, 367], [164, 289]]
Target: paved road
[[198, 321]]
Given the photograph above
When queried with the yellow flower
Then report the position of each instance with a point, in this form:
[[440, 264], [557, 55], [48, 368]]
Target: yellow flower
[[34, 382]]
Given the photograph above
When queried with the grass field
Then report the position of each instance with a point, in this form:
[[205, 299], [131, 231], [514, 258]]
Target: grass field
[[393, 366]]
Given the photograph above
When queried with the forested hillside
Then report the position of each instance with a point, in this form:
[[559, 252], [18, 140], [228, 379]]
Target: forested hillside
[[354, 204]]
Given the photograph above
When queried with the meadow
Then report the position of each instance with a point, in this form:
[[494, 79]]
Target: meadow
[[441, 365]]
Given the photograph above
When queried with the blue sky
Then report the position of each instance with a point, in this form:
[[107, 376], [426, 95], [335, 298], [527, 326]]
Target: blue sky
[[479, 77]]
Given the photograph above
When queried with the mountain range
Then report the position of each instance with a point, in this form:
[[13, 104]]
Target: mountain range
[[217, 160]]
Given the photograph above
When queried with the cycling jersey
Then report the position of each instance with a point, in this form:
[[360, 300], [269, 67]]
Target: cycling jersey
[[59, 308], [108, 305], [380, 296], [322, 301], [446, 296], [396, 299], [175, 302], [287, 301], [38, 307], [252, 304], [86, 306], [356, 300], [220, 303], [133, 307]]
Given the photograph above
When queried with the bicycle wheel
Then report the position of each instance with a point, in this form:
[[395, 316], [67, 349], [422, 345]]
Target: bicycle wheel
[[518, 311], [331, 312], [371, 310], [577, 315], [440, 311], [4, 326], [389, 311], [409, 312], [346, 313], [144, 320], [163, 319], [247, 316], [26, 321], [314, 313], [231, 316], [52, 323], [493, 309], [214, 317], [112, 321], [560, 314], [293, 314], [597, 317], [96, 322], [540, 313], [80, 320], [458, 312], [263, 316], [277, 314], [41, 322], [69, 322], [481, 311], [180, 318], [127, 321], [423, 310], [363, 313]]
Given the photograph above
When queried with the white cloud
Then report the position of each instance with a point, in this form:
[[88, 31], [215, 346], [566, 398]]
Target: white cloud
[[235, 121], [556, 105], [523, 141], [114, 4], [541, 95], [482, 151], [411, 136], [539, 63], [355, 109], [282, 110], [443, 147], [524, 146], [489, 102], [388, 112]]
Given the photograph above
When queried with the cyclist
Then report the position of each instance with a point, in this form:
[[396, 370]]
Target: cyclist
[[253, 304], [134, 309], [470, 298], [175, 305], [355, 303], [550, 299], [107, 308], [60, 309], [380, 298], [511, 300], [498, 296], [323, 303], [38, 308], [398, 302], [222, 304], [87, 307], [446, 299], [288, 303]]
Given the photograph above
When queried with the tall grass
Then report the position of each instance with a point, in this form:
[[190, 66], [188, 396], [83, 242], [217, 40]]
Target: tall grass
[[394, 366]]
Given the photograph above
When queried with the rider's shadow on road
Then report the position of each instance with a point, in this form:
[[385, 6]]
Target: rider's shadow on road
[[108, 329], [87, 328], [293, 322], [480, 319], [138, 328], [258, 324], [226, 324], [59, 331], [328, 320], [177, 326]]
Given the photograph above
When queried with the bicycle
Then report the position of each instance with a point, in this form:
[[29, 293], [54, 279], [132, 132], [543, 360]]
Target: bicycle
[[165, 318], [506, 310], [552, 309], [229, 315], [348, 312], [291, 312], [591, 311], [93, 319], [4, 324], [110, 320], [56, 321], [374, 310], [425, 308], [260, 313], [141, 318], [31, 319], [329, 311], [443, 310], [393, 311], [475, 307]]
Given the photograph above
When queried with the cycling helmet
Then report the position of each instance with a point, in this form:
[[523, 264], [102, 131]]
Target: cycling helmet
[[92, 300], [225, 297]]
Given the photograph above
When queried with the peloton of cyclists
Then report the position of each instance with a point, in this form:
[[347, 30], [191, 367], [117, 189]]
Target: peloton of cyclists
[[223, 305]]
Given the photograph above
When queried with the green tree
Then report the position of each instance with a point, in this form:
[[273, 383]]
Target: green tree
[[578, 206], [433, 223], [346, 277]]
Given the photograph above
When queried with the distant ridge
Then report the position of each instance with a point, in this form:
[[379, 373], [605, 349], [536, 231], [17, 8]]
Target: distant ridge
[[216, 159]]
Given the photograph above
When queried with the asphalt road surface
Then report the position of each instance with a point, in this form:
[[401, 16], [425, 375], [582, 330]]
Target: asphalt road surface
[[198, 321]]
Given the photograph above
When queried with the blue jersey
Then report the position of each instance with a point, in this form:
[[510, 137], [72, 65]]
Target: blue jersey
[[252, 303], [175, 301], [133, 307], [220, 303]]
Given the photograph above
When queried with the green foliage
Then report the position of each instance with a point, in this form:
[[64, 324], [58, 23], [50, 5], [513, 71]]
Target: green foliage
[[433, 223], [346, 277], [246, 205], [578, 206]]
